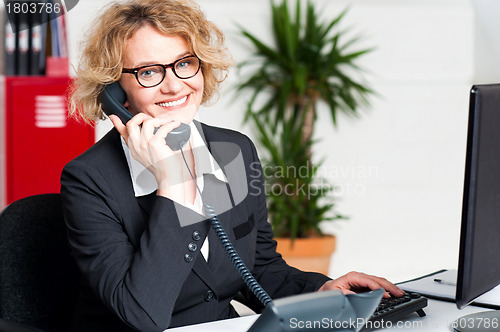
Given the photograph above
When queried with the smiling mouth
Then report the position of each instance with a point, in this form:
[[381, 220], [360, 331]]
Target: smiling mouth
[[173, 103]]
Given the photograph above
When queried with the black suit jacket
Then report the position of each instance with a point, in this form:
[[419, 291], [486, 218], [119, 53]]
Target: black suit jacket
[[137, 260]]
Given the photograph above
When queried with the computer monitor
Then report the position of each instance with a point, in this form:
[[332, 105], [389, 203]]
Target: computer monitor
[[479, 256]]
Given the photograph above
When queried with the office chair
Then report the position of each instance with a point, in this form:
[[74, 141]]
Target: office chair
[[38, 277]]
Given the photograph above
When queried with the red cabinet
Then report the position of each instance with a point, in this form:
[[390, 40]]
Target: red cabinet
[[39, 138]]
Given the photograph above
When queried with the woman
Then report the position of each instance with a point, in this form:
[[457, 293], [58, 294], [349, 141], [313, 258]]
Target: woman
[[134, 211]]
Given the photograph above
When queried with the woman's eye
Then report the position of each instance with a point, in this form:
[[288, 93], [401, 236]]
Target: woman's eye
[[184, 64], [148, 72]]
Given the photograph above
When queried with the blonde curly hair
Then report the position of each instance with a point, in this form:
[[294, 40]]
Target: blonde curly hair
[[101, 60]]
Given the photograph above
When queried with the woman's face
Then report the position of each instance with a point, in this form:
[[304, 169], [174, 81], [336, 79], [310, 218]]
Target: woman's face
[[174, 98]]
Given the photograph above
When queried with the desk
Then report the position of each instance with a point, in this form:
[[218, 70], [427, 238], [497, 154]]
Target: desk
[[439, 317]]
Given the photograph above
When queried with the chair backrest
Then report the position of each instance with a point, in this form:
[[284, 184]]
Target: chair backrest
[[38, 277]]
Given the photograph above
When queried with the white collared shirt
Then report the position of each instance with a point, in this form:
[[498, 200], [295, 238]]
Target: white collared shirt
[[144, 182]]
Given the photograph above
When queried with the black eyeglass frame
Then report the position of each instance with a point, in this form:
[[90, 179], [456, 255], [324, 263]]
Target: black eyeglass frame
[[135, 71]]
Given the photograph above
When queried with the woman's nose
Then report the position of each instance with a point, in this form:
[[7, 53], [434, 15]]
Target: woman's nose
[[171, 83]]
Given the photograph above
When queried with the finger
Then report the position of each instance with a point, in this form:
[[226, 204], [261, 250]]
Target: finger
[[151, 126], [117, 122], [163, 128], [370, 283], [346, 291], [163, 131], [387, 285], [390, 287], [134, 129], [136, 122], [334, 285], [138, 119], [374, 282]]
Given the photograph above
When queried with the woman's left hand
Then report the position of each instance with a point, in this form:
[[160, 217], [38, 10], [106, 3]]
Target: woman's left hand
[[354, 282]]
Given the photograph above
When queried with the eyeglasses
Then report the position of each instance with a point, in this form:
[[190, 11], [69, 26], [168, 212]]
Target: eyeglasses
[[152, 75]]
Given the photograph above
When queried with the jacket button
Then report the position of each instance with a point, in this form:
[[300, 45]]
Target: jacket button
[[196, 236], [192, 247], [209, 295], [188, 258]]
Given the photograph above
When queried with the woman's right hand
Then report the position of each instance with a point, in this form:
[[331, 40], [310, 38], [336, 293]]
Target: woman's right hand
[[149, 148]]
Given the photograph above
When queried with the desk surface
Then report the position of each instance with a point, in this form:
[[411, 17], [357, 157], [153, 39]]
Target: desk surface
[[440, 316]]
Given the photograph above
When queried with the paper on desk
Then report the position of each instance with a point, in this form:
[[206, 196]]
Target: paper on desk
[[446, 289]]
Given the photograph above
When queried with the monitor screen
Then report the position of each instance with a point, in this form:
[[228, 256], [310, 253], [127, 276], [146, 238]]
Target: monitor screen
[[479, 257]]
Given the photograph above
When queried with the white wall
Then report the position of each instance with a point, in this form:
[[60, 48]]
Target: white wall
[[405, 213], [399, 168]]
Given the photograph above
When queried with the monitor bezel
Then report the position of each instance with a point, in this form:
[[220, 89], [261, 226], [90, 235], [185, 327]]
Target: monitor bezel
[[467, 290]]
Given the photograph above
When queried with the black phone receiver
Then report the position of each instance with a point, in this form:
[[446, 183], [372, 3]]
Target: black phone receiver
[[112, 99]]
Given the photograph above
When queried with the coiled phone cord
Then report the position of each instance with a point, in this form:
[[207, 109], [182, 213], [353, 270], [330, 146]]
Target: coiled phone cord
[[238, 263]]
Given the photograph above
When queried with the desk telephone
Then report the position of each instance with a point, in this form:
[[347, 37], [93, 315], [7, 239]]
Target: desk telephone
[[112, 99]]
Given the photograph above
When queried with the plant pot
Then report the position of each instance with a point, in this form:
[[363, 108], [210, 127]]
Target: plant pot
[[310, 254]]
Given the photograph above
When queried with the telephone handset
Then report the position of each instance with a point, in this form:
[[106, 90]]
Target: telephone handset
[[112, 99]]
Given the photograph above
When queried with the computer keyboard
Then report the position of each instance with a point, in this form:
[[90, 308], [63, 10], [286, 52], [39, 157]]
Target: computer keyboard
[[394, 309]]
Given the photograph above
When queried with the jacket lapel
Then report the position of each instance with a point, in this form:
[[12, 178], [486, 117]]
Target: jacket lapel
[[118, 171]]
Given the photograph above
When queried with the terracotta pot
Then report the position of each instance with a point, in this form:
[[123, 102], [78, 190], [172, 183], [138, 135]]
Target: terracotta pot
[[311, 254]]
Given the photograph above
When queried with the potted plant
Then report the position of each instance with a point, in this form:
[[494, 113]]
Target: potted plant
[[309, 63]]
